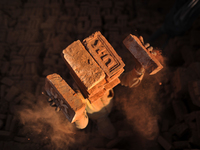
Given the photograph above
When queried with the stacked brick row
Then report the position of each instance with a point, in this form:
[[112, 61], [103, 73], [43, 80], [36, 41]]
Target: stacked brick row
[[94, 65]]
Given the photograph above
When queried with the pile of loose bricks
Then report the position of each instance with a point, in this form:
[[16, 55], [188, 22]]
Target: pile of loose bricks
[[33, 35], [182, 130]]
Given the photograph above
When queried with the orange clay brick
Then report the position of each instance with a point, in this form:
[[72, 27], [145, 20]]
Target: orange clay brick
[[69, 102], [103, 53], [82, 65], [112, 84], [146, 59], [98, 95]]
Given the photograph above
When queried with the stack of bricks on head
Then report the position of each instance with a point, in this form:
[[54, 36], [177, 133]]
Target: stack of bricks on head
[[95, 67]]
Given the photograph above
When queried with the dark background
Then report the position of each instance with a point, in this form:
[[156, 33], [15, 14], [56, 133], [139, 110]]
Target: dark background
[[159, 114]]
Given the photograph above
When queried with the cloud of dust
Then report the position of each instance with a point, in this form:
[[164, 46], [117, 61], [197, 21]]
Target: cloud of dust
[[141, 105], [44, 123], [142, 110]]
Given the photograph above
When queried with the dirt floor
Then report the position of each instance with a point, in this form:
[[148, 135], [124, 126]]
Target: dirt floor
[[162, 113]]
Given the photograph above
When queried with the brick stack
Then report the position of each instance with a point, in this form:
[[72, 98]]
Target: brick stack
[[94, 65]]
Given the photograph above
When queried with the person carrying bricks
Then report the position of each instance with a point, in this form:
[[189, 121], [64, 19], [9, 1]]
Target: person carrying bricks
[[96, 69]]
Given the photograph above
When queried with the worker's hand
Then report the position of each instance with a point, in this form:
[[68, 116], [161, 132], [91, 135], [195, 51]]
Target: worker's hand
[[135, 76], [147, 46]]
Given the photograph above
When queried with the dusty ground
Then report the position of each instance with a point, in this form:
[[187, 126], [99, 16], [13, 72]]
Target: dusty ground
[[159, 114]]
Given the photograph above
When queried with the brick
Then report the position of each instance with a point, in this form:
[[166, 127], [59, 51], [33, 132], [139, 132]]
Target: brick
[[182, 76], [3, 36], [194, 36], [38, 90], [104, 54], [187, 54], [112, 84], [109, 19], [197, 55], [34, 24], [198, 122], [106, 3], [3, 89], [83, 25], [122, 20], [192, 125], [167, 136], [114, 142], [19, 61], [195, 67], [47, 72], [181, 144], [190, 117], [8, 145], [144, 57], [28, 69], [12, 70], [30, 96], [18, 98], [97, 142], [32, 36], [48, 24], [70, 103], [2, 49], [49, 61], [20, 139], [5, 67], [12, 92], [19, 146], [194, 91], [82, 65], [2, 116], [196, 87], [125, 133], [17, 70], [1, 143], [179, 109], [8, 122], [179, 129], [33, 68], [96, 96], [96, 21], [165, 125], [23, 50], [29, 59], [165, 144], [21, 132], [115, 76], [97, 87], [21, 70], [5, 135], [194, 140], [1, 123], [13, 125]]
